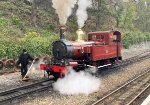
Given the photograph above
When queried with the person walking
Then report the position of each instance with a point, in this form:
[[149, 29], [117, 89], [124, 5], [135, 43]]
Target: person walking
[[23, 61]]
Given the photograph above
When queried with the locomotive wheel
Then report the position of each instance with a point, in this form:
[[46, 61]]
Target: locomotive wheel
[[10, 63], [63, 75], [57, 75], [1, 65]]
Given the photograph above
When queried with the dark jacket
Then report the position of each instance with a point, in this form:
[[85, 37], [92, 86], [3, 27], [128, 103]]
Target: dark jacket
[[24, 59]]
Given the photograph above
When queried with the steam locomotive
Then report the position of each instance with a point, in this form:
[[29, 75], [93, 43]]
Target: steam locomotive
[[101, 49]]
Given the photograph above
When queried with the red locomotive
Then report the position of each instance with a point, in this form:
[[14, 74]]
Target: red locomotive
[[101, 49]]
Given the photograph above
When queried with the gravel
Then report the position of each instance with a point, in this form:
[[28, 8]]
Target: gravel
[[12, 80], [142, 98], [135, 50], [109, 81]]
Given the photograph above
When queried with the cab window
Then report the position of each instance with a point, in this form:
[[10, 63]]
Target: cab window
[[101, 37], [114, 38], [94, 37]]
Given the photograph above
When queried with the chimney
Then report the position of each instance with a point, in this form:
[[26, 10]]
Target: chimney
[[62, 32]]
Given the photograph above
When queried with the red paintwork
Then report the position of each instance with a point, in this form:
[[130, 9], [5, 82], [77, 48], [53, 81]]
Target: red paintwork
[[42, 67], [108, 48], [79, 48], [60, 69], [104, 52], [99, 48]]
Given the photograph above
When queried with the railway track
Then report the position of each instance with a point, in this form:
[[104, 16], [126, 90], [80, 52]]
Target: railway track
[[127, 93], [136, 58], [24, 90], [123, 63], [44, 84]]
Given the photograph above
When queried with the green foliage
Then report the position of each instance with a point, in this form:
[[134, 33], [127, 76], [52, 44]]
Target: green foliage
[[130, 38], [30, 35], [17, 31], [51, 27], [128, 16], [143, 19], [37, 45], [72, 25], [9, 48], [16, 21], [3, 22]]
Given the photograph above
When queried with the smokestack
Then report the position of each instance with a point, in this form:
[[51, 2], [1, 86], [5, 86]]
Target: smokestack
[[80, 35], [62, 32]]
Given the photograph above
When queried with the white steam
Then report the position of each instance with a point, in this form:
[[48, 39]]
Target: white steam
[[82, 12], [63, 9], [92, 70], [77, 83], [35, 71]]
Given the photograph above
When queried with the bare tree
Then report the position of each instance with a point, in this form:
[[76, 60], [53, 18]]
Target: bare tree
[[34, 13]]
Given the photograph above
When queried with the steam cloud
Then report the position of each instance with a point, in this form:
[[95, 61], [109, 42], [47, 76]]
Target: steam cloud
[[35, 71], [63, 9], [77, 83], [82, 12]]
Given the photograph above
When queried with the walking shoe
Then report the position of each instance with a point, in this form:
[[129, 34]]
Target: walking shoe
[[27, 77], [24, 79]]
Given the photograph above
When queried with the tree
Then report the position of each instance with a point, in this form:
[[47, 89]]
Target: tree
[[143, 15], [34, 12]]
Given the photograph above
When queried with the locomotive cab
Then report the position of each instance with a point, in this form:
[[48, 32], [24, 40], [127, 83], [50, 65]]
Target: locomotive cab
[[108, 51], [106, 37]]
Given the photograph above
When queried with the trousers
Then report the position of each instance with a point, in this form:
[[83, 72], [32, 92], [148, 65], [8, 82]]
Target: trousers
[[24, 70]]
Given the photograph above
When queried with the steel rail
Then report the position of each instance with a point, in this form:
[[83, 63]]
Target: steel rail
[[138, 95], [24, 90], [20, 87], [111, 93]]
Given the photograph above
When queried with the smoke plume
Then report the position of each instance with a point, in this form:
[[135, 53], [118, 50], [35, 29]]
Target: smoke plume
[[82, 12], [35, 71], [63, 9], [77, 83]]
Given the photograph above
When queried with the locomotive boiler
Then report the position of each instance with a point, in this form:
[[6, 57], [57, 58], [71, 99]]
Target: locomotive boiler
[[101, 49]]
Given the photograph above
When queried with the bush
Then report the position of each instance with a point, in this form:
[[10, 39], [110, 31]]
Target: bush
[[30, 35], [16, 21], [130, 38], [9, 48], [37, 45], [3, 22], [51, 27]]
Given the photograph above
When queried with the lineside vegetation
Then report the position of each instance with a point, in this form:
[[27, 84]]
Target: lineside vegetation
[[18, 30]]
